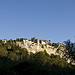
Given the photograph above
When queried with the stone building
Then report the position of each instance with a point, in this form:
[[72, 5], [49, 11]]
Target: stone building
[[34, 40], [5, 41], [42, 42]]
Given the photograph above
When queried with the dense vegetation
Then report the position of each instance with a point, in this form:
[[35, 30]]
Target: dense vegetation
[[15, 60], [70, 46]]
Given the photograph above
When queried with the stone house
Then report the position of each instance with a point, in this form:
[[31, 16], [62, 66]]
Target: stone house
[[5, 41]]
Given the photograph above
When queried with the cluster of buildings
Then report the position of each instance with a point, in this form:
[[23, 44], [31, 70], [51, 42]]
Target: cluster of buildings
[[4, 40], [35, 45]]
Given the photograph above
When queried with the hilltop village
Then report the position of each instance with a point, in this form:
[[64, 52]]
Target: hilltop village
[[35, 45]]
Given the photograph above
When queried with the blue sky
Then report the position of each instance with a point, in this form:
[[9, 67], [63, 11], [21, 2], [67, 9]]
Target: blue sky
[[45, 19]]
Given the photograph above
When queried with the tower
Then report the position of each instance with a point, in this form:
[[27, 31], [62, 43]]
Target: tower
[[37, 44], [37, 41]]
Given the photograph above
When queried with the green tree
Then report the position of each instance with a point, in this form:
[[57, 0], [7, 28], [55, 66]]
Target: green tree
[[18, 39], [55, 45], [68, 44], [3, 52], [13, 56], [11, 40]]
